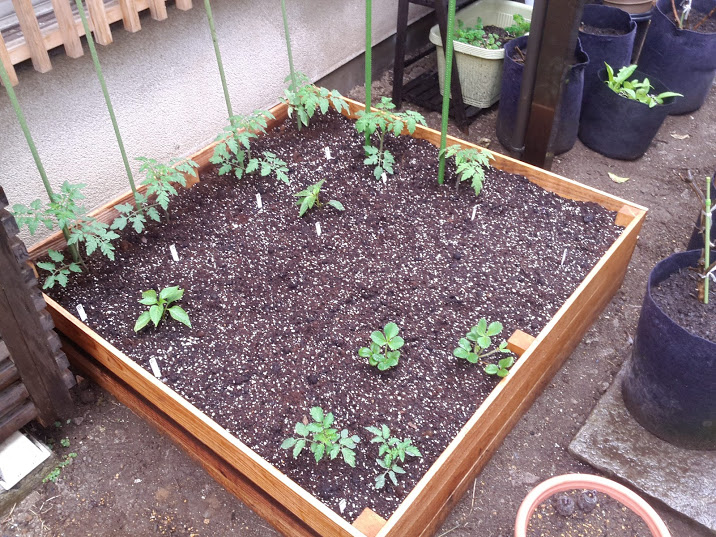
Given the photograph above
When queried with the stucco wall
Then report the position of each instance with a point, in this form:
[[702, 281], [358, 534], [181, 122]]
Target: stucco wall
[[166, 90]]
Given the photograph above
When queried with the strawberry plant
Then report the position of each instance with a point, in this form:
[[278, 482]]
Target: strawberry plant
[[309, 198], [383, 120], [473, 348], [391, 451], [383, 352], [323, 439], [160, 305]]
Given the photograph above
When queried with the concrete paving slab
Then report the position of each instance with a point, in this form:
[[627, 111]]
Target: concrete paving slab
[[614, 443]]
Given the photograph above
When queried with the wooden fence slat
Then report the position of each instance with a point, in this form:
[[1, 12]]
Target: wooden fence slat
[[158, 9], [68, 28], [100, 22], [16, 419], [183, 4], [7, 62], [33, 36], [130, 16]]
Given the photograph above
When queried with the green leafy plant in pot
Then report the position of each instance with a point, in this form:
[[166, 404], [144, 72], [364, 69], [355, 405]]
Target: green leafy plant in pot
[[622, 114], [669, 386]]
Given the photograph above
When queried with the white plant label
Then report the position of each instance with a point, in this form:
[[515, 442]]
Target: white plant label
[[474, 212], [327, 151], [318, 229], [564, 257], [173, 251], [155, 367], [384, 177], [81, 312], [259, 203]]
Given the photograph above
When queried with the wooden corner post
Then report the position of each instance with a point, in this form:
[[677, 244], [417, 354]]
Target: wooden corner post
[[26, 328]]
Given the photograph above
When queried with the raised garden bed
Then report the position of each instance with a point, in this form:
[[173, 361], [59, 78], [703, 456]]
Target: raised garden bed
[[290, 508]]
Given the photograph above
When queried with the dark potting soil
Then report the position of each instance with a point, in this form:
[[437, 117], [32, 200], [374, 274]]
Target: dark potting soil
[[677, 296], [582, 513], [595, 30], [707, 27], [279, 313]]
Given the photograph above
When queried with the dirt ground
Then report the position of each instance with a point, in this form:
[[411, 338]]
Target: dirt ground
[[129, 480]]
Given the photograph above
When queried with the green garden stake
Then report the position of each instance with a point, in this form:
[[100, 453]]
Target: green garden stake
[[707, 240], [100, 77], [446, 92], [74, 251], [294, 84], [368, 59], [210, 16]]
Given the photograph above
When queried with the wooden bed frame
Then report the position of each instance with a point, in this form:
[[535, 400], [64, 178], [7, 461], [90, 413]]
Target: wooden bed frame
[[285, 505]]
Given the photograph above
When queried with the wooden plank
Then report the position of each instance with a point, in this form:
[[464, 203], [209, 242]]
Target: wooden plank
[[8, 373], [158, 9], [625, 215], [519, 342], [4, 353], [99, 22], [223, 472], [430, 501], [7, 62], [130, 16], [307, 508], [184, 5], [12, 396], [19, 417], [33, 37], [68, 28], [369, 522]]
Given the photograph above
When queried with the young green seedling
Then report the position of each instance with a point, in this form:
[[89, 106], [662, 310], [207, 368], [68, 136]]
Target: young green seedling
[[160, 305], [470, 164], [633, 89], [160, 179], [58, 269], [382, 121], [391, 452], [233, 150], [309, 198], [383, 352], [473, 348], [305, 98], [323, 439]]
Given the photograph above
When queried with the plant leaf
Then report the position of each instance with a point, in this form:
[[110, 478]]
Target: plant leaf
[[178, 314]]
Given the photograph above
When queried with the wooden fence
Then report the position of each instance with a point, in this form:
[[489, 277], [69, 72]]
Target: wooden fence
[[37, 35], [34, 374]]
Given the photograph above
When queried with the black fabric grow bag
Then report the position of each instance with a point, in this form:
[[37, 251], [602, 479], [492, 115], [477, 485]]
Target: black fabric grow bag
[[682, 59], [618, 127], [566, 121], [616, 50], [670, 387]]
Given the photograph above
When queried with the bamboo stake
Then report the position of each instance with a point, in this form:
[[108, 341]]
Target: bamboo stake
[[294, 82], [105, 92], [215, 39], [74, 251], [707, 240], [446, 86], [368, 60]]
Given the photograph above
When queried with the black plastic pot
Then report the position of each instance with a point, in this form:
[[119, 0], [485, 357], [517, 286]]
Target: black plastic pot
[[670, 388], [684, 60], [618, 127], [567, 117], [616, 50], [696, 242]]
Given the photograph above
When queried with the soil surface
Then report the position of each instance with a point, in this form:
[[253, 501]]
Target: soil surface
[[279, 313], [596, 30], [695, 17], [129, 480], [585, 513], [677, 296]]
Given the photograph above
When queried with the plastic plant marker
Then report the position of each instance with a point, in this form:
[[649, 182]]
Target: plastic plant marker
[[105, 92], [707, 240], [446, 94], [217, 52]]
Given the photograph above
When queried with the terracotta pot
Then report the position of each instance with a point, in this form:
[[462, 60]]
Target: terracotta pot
[[631, 6], [567, 482]]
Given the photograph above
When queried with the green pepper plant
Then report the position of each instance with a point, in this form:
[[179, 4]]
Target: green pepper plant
[[161, 304], [309, 197]]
